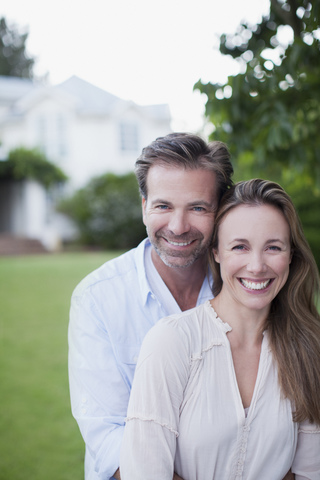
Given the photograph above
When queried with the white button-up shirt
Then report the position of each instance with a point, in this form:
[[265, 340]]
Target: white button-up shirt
[[186, 415], [112, 309]]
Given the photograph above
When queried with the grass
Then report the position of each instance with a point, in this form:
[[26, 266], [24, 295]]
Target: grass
[[39, 439]]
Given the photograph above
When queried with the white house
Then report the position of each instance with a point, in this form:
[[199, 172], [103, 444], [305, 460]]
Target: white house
[[82, 129]]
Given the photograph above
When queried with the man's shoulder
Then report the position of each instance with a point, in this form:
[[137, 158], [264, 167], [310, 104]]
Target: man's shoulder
[[129, 264]]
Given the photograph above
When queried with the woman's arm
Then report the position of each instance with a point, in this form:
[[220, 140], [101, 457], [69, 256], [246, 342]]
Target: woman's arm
[[149, 442], [306, 463]]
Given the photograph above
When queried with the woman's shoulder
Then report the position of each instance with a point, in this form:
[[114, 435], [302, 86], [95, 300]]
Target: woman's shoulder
[[198, 328]]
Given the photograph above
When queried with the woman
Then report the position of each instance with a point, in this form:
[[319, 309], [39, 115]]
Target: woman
[[231, 389]]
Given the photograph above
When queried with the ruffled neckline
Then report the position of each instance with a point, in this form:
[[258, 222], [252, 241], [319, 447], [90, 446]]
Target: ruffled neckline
[[226, 327]]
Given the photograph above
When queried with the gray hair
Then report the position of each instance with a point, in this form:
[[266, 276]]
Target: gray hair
[[187, 151]]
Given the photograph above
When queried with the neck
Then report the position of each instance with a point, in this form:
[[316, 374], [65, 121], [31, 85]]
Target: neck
[[184, 283], [247, 324]]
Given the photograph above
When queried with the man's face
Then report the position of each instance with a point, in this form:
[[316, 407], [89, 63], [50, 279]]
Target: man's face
[[179, 213]]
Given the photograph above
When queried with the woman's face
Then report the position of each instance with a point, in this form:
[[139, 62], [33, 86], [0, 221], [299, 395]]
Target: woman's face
[[254, 255]]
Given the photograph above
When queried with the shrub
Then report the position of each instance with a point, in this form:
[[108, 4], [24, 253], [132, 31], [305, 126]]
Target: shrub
[[24, 163], [108, 212]]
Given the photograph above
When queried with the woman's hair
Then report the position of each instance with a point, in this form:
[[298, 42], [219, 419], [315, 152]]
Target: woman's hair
[[293, 322], [188, 151]]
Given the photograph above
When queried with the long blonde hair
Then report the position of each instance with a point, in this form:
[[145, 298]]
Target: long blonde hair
[[293, 322]]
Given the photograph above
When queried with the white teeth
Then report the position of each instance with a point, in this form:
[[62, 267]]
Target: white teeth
[[179, 244], [255, 286]]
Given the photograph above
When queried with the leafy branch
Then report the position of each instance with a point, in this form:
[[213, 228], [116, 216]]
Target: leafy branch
[[23, 164]]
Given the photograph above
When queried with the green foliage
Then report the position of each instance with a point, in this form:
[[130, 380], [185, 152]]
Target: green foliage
[[23, 164], [108, 212], [14, 61], [272, 109], [269, 114]]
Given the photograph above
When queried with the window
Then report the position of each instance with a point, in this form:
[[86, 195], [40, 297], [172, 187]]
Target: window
[[61, 136], [42, 133], [129, 137], [51, 132]]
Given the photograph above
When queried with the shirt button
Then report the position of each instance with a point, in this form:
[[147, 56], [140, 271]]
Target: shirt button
[[135, 359]]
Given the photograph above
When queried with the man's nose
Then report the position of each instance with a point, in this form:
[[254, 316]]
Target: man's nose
[[179, 223]]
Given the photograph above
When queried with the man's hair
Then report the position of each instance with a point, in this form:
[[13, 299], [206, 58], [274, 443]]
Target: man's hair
[[188, 151], [293, 323]]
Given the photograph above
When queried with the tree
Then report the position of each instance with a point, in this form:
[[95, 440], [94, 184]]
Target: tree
[[14, 60], [269, 113], [108, 212], [24, 164]]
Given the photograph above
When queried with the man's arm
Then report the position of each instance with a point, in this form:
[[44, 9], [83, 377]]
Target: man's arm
[[175, 476], [99, 392]]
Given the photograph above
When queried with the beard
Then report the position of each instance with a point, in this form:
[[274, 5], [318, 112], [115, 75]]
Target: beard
[[174, 258]]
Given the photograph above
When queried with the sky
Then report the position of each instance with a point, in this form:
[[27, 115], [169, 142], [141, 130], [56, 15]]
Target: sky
[[141, 50]]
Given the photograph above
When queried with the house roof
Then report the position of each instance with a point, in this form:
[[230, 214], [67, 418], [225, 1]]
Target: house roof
[[18, 94], [13, 88], [91, 98], [94, 100], [159, 111]]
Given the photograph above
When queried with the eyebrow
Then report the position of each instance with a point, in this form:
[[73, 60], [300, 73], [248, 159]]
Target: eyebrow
[[201, 202], [270, 240], [190, 204]]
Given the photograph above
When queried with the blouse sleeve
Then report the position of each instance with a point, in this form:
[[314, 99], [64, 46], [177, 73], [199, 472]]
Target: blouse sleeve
[[306, 463], [152, 424]]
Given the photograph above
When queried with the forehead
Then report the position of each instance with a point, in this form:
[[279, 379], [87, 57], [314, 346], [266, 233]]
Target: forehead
[[254, 220], [170, 181]]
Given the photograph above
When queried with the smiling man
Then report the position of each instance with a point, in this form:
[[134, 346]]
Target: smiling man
[[181, 180]]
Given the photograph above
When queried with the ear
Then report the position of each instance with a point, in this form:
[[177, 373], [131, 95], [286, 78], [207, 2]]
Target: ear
[[216, 255], [144, 208]]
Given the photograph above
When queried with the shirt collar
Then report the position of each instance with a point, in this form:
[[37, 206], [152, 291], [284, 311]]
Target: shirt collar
[[145, 288]]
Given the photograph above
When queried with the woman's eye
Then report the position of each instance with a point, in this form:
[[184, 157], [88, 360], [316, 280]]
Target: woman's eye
[[274, 248], [238, 247]]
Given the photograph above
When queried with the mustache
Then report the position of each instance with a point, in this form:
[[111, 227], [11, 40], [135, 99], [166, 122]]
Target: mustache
[[183, 238]]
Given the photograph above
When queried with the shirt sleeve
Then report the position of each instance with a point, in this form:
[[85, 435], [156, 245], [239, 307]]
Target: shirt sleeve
[[149, 443], [306, 464], [98, 391]]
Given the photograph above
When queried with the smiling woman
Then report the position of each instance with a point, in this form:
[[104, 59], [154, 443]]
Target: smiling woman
[[254, 253], [272, 250], [230, 389]]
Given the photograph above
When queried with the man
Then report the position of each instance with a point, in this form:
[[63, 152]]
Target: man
[[181, 180]]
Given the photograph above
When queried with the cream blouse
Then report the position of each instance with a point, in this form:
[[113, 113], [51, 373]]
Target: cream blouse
[[186, 415]]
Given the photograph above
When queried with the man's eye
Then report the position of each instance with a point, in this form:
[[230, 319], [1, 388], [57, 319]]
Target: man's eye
[[162, 207], [198, 209]]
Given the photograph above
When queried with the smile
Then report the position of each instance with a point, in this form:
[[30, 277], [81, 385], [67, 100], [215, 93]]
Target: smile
[[255, 286], [179, 244]]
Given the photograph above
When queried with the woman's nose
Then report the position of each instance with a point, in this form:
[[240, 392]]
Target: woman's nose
[[256, 263]]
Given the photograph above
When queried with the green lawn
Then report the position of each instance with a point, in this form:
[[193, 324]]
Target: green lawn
[[39, 439]]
